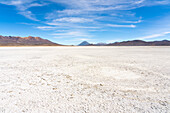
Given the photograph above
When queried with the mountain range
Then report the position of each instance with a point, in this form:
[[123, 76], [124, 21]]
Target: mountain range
[[25, 41], [37, 41], [134, 43]]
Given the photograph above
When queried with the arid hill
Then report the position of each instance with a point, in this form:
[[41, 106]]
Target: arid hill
[[25, 41], [141, 43]]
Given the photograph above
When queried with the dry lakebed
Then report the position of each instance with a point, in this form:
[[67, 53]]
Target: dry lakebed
[[85, 79]]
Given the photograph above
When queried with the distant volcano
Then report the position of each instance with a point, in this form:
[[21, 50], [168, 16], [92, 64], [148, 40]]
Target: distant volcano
[[84, 43], [25, 41]]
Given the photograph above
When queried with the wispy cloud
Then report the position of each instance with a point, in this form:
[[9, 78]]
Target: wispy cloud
[[73, 20], [46, 27], [126, 26], [29, 15], [139, 1], [82, 39], [88, 12], [134, 22], [72, 34], [72, 25], [154, 35]]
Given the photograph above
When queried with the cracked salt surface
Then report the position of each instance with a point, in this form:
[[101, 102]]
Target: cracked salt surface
[[84, 79]]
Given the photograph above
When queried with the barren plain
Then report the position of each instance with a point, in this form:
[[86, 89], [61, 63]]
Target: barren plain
[[85, 79]]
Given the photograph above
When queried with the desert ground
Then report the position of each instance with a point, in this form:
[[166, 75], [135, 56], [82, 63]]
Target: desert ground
[[85, 79]]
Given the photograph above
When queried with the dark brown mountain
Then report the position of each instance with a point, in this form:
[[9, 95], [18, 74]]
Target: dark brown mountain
[[141, 43], [25, 41]]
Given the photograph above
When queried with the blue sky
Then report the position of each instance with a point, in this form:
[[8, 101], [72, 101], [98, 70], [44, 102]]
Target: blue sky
[[73, 21]]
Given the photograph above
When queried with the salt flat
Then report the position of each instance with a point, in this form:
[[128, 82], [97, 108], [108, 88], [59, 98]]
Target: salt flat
[[85, 79]]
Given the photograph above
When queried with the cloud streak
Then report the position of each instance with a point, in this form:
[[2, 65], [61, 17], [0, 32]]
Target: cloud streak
[[46, 27], [72, 34], [125, 26], [154, 35], [73, 20]]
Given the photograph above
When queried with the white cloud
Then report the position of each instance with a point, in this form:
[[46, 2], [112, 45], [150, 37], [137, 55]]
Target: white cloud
[[69, 12], [162, 2], [134, 22], [16, 2], [72, 34], [46, 27], [72, 25], [139, 2], [78, 40], [29, 15], [105, 5], [37, 5], [54, 23], [83, 39], [126, 26], [87, 27], [73, 20], [154, 35], [12, 2]]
